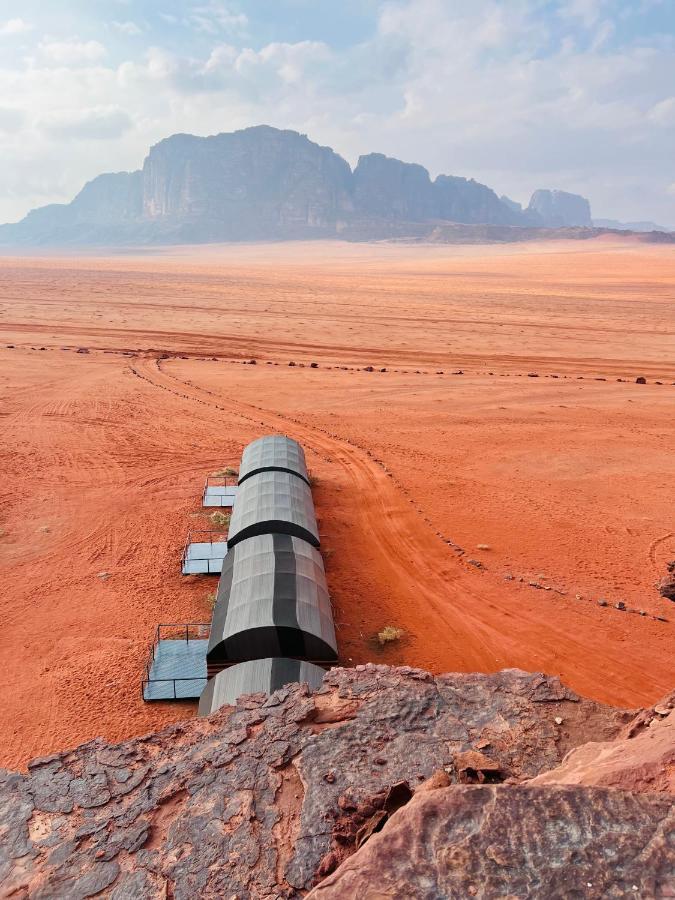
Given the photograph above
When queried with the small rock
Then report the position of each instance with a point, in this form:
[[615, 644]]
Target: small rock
[[475, 562], [314, 365], [558, 720], [103, 575], [641, 380], [603, 603], [620, 605], [662, 710]]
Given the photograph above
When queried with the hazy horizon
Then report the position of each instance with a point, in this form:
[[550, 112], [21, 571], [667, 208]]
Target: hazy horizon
[[575, 95]]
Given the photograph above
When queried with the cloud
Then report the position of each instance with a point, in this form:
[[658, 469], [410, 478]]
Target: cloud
[[99, 123], [14, 26], [214, 18], [71, 52], [128, 28], [11, 119]]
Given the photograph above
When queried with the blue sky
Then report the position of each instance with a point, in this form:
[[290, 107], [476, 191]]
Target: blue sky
[[570, 94]]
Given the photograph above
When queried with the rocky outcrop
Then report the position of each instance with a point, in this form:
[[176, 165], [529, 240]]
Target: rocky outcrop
[[269, 798], [642, 759], [392, 190], [259, 182], [467, 201], [488, 842], [264, 183], [554, 209]]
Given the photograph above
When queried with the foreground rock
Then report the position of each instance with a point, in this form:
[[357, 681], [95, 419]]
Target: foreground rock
[[268, 799], [641, 760], [489, 842]]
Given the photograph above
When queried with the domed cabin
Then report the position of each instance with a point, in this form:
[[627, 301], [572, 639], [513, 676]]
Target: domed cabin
[[272, 600], [274, 452], [255, 676], [273, 503]]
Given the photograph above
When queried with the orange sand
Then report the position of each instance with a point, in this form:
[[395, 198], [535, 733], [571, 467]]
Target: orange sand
[[568, 480]]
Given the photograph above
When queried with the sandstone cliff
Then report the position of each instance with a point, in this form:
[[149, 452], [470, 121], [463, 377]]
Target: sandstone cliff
[[559, 208], [264, 183], [386, 783]]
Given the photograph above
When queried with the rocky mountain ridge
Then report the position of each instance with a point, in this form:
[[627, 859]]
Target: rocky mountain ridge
[[387, 782], [262, 183]]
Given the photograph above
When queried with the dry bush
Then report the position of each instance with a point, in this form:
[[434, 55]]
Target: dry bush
[[389, 634], [219, 519]]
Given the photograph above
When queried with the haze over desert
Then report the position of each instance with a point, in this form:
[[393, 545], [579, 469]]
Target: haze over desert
[[495, 475]]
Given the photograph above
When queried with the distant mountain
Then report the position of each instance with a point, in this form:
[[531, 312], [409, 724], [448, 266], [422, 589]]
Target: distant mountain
[[265, 184], [558, 208], [631, 226]]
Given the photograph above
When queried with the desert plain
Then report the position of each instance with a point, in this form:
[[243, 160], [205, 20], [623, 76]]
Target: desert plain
[[489, 478]]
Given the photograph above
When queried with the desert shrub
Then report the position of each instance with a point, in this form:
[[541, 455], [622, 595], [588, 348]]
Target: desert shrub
[[219, 519], [389, 634]]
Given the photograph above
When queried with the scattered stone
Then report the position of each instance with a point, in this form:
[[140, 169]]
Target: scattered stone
[[476, 562], [291, 363], [667, 586], [558, 720], [314, 365], [82, 350], [253, 362], [103, 576], [620, 605], [603, 603], [508, 577], [368, 369], [532, 375], [641, 380]]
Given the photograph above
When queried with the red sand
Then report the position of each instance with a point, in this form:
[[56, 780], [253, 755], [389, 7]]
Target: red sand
[[568, 480]]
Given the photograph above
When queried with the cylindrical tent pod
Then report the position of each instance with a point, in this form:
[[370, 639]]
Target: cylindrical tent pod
[[273, 503], [266, 675], [273, 452], [272, 601]]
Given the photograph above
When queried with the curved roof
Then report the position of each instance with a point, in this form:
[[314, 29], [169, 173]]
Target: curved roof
[[267, 675], [272, 601], [273, 502], [274, 452]]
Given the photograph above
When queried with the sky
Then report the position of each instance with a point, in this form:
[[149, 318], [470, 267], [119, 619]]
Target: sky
[[576, 95]]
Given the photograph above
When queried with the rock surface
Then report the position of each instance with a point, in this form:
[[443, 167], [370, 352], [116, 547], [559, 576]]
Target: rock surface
[[515, 842], [266, 799], [265, 183], [641, 760]]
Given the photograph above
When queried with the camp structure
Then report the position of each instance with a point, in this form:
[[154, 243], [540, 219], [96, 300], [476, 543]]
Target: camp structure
[[273, 503], [255, 676], [274, 452], [272, 600]]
